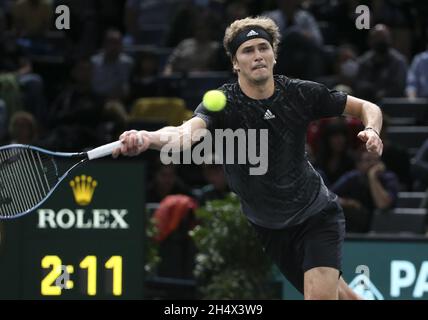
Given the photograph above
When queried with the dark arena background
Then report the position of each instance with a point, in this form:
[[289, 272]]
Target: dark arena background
[[76, 74]]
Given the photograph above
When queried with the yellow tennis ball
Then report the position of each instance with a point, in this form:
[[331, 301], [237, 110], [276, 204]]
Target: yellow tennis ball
[[214, 100]]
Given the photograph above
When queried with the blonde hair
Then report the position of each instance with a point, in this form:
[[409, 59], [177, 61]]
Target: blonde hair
[[263, 22]]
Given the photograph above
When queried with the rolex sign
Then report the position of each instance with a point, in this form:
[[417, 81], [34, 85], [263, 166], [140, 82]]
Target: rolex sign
[[82, 188]]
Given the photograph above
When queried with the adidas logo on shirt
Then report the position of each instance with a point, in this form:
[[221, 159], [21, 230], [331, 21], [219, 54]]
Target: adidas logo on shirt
[[268, 115], [252, 33]]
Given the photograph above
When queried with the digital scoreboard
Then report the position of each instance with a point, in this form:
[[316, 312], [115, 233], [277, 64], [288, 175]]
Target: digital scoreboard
[[85, 242]]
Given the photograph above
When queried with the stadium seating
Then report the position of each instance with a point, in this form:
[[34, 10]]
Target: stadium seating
[[152, 34], [410, 137], [161, 109], [400, 220], [404, 111], [410, 199]]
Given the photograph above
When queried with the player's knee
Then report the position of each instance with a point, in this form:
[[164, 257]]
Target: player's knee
[[321, 283]]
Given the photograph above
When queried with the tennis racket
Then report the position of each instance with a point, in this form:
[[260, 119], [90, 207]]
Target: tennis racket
[[29, 175]]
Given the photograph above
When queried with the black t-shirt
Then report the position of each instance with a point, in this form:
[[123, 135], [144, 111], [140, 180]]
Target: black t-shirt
[[291, 190]]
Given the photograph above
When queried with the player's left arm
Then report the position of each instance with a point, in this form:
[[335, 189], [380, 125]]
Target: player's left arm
[[371, 116]]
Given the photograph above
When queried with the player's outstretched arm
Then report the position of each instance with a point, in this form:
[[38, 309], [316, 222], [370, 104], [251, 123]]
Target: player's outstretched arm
[[135, 142], [371, 116]]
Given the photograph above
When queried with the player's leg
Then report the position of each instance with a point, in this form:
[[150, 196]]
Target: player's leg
[[321, 283], [278, 245], [322, 242]]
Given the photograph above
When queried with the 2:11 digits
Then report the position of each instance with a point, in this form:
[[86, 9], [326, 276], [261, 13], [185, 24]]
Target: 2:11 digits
[[49, 284]]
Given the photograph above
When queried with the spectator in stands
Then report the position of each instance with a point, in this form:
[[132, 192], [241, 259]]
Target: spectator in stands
[[345, 70], [23, 128], [182, 22], [419, 168], [217, 187], [3, 120], [417, 76], [76, 112], [188, 13], [85, 35], [10, 93], [144, 78], [16, 67], [300, 53], [143, 15], [398, 16], [365, 189], [174, 218], [32, 18], [109, 14], [234, 10], [195, 54], [334, 156], [166, 182], [382, 70], [114, 120], [338, 19], [289, 15], [112, 68], [3, 21], [396, 157], [316, 129], [346, 67]]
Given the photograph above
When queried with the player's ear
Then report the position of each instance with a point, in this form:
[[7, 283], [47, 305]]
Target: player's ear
[[235, 65]]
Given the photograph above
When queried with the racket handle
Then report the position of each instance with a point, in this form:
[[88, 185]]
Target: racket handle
[[104, 150], [107, 149]]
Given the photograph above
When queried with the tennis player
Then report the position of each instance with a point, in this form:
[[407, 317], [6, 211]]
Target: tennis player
[[298, 220]]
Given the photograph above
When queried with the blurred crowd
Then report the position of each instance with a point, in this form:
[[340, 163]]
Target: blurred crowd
[[145, 63]]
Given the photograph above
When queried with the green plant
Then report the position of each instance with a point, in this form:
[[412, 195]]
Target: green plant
[[231, 263], [152, 258]]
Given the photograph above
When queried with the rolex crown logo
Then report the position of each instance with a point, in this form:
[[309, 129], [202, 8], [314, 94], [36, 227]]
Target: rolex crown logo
[[83, 189]]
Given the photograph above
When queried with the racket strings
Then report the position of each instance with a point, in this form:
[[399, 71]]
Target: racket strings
[[26, 176]]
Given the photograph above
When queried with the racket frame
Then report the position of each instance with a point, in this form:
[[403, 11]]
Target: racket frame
[[76, 155]]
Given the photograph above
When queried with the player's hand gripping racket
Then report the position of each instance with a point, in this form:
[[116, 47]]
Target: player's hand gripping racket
[[29, 175]]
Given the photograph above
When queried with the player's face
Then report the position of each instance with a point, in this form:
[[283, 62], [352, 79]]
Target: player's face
[[255, 60]]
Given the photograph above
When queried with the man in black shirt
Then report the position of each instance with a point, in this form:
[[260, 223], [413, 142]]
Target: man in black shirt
[[299, 222]]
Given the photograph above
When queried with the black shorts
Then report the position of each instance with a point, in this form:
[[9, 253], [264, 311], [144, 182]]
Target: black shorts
[[317, 242]]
